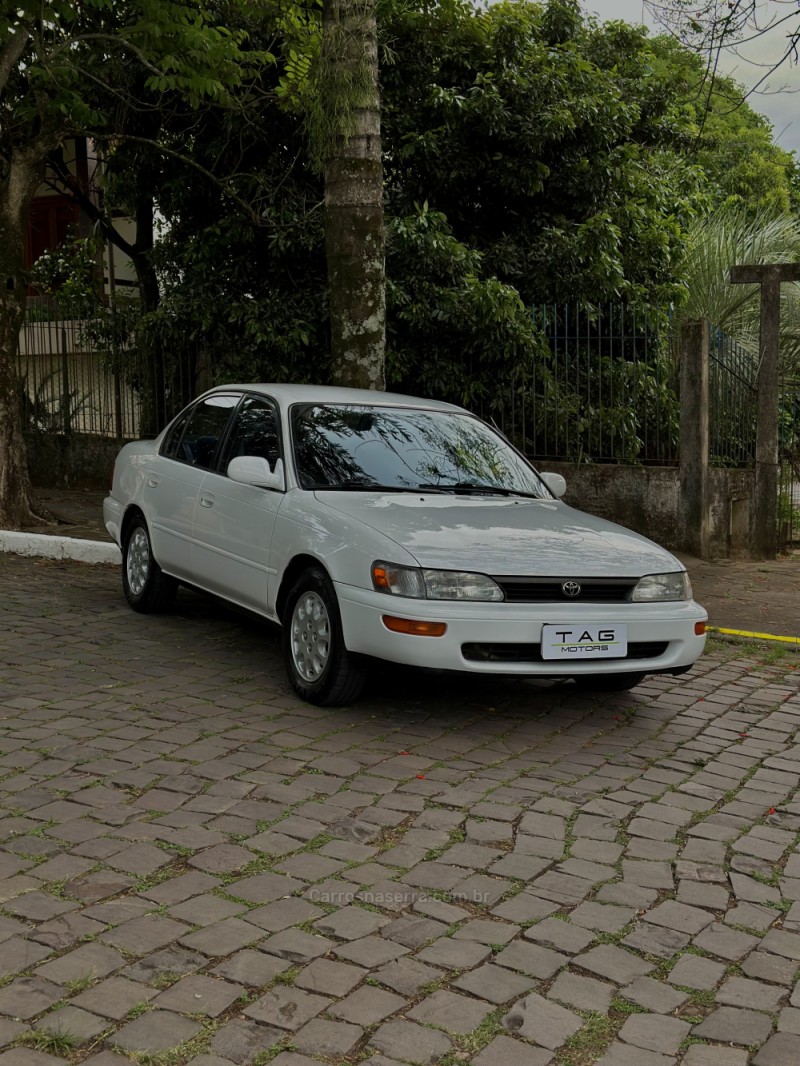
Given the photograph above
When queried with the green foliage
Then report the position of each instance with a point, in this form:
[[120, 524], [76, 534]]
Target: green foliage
[[544, 141], [328, 70], [530, 155], [714, 243], [243, 299], [53, 407], [453, 331], [70, 272], [77, 65], [787, 512], [606, 407], [59, 1043], [730, 141]]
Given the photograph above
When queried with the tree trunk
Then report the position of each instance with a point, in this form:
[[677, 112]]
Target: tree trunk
[[17, 188], [354, 235], [154, 413]]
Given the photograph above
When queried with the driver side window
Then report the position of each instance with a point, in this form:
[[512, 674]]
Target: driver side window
[[196, 436], [255, 432]]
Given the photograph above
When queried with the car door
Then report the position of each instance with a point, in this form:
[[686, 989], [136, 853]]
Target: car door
[[172, 484], [233, 522]]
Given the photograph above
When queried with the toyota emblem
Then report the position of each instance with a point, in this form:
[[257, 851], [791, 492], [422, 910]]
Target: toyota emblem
[[571, 589]]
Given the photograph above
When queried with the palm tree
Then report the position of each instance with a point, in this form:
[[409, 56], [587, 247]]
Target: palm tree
[[349, 100], [715, 243]]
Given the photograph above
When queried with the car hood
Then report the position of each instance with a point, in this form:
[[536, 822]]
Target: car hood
[[504, 536]]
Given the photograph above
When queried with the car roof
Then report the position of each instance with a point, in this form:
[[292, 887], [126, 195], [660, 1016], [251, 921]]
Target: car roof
[[288, 394]]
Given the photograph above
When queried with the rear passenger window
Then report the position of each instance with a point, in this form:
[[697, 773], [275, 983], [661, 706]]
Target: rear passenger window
[[173, 439], [206, 426]]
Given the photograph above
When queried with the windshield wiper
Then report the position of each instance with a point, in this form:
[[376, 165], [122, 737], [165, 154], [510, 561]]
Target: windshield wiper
[[363, 486], [468, 488]]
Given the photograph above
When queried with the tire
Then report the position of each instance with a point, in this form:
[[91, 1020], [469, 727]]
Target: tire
[[147, 588], [609, 682], [320, 669]]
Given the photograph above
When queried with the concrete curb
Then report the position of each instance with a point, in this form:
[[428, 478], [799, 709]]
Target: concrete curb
[[741, 636], [45, 547]]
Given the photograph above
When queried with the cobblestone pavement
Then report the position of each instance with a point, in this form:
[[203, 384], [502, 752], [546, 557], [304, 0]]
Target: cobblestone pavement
[[197, 868]]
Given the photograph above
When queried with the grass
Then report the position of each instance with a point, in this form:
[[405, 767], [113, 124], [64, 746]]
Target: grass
[[624, 1006], [80, 984], [138, 1010], [286, 977], [470, 1044], [702, 998], [455, 836], [263, 864], [159, 876], [178, 1055], [263, 1058], [175, 849], [588, 1044], [61, 1043]]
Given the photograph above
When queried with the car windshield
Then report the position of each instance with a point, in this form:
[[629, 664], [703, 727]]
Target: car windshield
[[400, 449]]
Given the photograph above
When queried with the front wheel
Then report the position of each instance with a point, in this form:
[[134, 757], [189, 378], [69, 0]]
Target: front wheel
[[320, 668], [147, 588], [609, 682]]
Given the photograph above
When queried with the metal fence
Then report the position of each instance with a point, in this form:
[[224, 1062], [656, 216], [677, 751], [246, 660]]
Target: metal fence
[[69, 383], [732, 371], [733, 396], [96, 374], [789, 471], [605, 389]]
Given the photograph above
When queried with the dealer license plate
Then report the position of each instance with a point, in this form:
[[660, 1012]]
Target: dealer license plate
[[584, 641]]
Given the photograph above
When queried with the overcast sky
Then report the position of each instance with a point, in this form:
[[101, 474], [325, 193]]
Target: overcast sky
[[776, 99]]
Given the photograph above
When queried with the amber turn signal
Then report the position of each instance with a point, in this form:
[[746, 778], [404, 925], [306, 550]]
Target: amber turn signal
[[416, 629], [379, 577], [699, 628]]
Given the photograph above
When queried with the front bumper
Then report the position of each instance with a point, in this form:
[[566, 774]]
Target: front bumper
[[661, 636]]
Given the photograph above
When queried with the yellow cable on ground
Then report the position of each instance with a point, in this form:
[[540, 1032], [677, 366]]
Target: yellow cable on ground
[[753, 636]]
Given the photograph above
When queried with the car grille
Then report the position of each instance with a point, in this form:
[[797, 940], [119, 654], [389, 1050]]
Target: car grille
[[548, 589], [532, 653]]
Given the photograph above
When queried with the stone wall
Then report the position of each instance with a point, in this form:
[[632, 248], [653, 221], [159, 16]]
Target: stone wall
[[81, 461], [647, 499]]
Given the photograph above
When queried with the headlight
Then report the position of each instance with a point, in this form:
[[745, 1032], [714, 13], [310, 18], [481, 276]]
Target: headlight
[[433, 584], [663, 587]]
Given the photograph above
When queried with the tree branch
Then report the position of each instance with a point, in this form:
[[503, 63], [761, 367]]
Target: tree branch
[[254, 217], [111, 40], [70, 182]]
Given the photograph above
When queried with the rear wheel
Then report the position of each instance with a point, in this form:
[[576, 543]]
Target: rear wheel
[[609, 682], [320, 668], [147, 588]]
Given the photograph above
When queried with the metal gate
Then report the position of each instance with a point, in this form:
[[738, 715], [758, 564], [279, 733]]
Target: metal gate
[[789, 471]]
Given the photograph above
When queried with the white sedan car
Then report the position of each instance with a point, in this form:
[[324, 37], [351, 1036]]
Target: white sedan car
[[376, 526]]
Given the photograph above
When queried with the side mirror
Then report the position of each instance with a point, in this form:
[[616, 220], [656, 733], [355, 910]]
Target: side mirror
[[254, 470], [556, 484]]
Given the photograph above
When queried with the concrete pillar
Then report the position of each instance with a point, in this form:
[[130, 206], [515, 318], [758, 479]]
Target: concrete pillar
[[694, 437], [764, 514]]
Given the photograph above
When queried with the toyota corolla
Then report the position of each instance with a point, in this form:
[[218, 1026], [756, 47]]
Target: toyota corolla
[[377, 526]]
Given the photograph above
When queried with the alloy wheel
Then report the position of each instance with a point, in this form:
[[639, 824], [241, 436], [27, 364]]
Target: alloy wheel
[[311, 636], [137, 563]]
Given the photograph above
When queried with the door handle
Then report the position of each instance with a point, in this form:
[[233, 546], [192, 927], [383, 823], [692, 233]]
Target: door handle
[[206, 500], [152, 482]]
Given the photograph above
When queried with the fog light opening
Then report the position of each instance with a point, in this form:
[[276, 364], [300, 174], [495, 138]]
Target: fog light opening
[[699, 629], [414, 628]]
